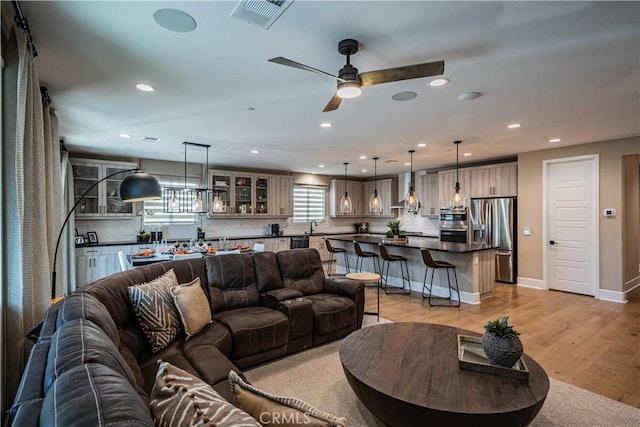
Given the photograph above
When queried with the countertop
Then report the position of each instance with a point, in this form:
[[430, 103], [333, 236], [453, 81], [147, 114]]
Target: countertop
[[417, 242]]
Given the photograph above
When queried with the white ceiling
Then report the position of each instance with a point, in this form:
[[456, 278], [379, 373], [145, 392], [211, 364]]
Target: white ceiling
[[569, 70]]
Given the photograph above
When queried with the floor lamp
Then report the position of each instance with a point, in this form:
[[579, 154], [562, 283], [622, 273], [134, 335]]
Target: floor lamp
[[137, 187]]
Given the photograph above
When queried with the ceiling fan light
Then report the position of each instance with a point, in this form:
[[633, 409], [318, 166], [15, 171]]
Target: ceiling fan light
[[349, 89]]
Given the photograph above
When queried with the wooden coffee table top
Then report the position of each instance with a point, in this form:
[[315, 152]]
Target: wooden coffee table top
[[407, 374]]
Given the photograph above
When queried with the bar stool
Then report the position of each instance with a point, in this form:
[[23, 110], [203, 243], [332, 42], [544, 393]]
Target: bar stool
[[434, 265], [361, 255], [333, 250], [387, 259]]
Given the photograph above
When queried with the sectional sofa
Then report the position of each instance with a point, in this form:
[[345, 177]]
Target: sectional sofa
[[92, 363]]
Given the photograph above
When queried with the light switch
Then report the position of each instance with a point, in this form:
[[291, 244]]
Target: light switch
[[609, 213], [526, 231]]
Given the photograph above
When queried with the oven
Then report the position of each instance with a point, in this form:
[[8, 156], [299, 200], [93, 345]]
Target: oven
[[454, 225]]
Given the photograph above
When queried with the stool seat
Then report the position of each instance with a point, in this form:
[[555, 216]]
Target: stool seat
[[435, 265], [333, 250], [361, 255], [387, 259]]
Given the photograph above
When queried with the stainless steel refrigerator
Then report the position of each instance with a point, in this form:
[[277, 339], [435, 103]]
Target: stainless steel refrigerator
[[493, 222]]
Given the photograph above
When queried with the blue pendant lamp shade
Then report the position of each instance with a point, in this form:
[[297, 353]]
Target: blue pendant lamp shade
[[375, 203], [411, 202], [457, 196], [139, 186], [345, 202]]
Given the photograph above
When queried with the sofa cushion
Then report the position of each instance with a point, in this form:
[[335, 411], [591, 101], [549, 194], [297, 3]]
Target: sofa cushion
[[331, 313], [155, 312], [302, 270], [267, 271], [181, 399], [93, 395], [79, 342], [81, 305], [215, 334], [254, 329], [231, 282], [275, 411], [192, 305]]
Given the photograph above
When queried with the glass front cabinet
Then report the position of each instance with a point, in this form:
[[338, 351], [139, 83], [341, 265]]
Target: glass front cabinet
[[104, 199]]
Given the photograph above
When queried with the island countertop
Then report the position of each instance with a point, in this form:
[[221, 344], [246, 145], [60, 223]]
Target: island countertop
[[416, 242]]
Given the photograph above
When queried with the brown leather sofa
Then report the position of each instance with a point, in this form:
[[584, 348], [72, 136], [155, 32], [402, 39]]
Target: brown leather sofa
[[91, 364]]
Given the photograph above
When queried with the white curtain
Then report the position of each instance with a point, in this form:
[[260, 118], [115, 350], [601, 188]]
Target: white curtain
[[67, 251], [32, 207]]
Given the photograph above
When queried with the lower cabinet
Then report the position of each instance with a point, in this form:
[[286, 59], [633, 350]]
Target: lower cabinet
[[93, 263], [317, 242]]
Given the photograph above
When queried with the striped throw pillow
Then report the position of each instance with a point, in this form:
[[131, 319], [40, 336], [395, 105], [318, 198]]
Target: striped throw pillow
[[181, 399], [155, 312]]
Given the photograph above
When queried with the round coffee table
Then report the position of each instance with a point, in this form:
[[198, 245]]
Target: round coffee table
[[368, 278], [407, 374]]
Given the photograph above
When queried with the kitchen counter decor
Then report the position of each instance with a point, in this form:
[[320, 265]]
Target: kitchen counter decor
[[501, 343]]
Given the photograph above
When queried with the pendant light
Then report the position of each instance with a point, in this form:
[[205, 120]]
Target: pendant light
[[218, 205], [375, 203], [411, 203], [457, 197], [198, 197], [345, 203]]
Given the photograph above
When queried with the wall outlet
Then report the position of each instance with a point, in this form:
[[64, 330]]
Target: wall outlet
[[526, 231], [609, 213]]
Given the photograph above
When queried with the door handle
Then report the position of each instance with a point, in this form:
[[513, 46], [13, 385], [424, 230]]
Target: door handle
[[552, 242]]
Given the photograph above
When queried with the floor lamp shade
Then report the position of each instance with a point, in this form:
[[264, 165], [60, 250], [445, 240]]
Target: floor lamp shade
[[137, 187], [140, 186]]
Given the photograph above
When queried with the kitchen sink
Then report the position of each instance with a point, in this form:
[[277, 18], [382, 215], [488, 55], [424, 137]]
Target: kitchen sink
[[299, 242]]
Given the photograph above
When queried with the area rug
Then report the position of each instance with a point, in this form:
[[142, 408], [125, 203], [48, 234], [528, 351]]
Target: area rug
[[316, 377]]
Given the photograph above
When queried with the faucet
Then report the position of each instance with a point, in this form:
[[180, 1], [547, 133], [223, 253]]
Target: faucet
[[311, 226]]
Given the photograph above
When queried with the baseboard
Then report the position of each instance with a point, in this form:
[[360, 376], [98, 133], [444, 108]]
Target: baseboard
[[527, 282], [614, 296]]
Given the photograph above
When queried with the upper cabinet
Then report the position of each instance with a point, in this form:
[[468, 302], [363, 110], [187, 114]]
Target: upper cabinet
[[355, 190], [429, 195], [447, 182], [251, 195], [494, 181], [387, 192], [102, 201]]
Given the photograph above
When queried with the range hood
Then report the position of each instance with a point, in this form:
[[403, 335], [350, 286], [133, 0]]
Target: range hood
[[404, 182]]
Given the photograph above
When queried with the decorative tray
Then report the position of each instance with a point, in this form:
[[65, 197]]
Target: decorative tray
[[395, 240], [471, 356]]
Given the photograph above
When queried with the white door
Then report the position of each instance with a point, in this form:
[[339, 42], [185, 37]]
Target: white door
[[571, 224]]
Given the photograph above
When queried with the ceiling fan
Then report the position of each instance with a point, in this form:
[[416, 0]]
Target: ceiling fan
[[350, 81]]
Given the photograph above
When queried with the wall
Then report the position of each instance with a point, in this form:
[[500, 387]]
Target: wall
[[631, 227], [612, 191]]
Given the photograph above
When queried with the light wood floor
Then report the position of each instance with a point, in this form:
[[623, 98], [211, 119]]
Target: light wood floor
[[590, 343]]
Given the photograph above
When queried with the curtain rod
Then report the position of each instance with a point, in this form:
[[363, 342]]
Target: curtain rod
[[23, 23]]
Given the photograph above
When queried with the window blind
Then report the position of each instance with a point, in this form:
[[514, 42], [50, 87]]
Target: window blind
[[308, 203], [154, 209]]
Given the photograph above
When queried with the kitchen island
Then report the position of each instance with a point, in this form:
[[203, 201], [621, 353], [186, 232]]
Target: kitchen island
[[474, 263]]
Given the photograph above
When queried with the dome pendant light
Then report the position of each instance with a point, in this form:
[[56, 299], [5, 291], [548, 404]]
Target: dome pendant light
[[411, 203], [375, 203], [345, 203], [457, 197]]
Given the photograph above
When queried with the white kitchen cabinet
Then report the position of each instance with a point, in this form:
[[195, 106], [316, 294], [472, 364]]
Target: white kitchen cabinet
[[387, 192], [281, 195], [318, 243], [276, 244], [428, 185], [96, 262], [494, 181], [104, 200], [447, 182], [355, 190]]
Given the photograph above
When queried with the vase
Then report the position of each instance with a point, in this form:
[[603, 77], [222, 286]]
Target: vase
[[502, 351]]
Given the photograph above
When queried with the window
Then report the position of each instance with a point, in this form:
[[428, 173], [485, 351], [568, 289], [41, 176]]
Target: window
[[308, 203], [154, 209]]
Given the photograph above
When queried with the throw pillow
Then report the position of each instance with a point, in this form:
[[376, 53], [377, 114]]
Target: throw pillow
[[155, 312], [277, 411], [181, 399], [192, 305]]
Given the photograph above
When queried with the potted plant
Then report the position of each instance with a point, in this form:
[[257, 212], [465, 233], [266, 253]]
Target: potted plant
[[394, 228], [200, 233], [501, 343], [143, 236]]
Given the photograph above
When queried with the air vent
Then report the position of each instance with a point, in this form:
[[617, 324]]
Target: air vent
[[150, 139], [261, 13]]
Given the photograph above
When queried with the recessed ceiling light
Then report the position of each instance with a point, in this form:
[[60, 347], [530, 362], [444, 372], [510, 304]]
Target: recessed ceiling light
[[125, 135], [364, 170], [363, 157], [554, 140], [514, 126], [255, 151], [466, 154], [145, 87], [438, 82], [422, 144], [404, 96], [469, 96], [407, 163], [320, 166], [174, 20], [326, 125]]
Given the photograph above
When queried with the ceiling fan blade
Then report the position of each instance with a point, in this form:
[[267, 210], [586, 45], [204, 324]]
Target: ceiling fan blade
[[333, 104], [289, 63], [402, 73]]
